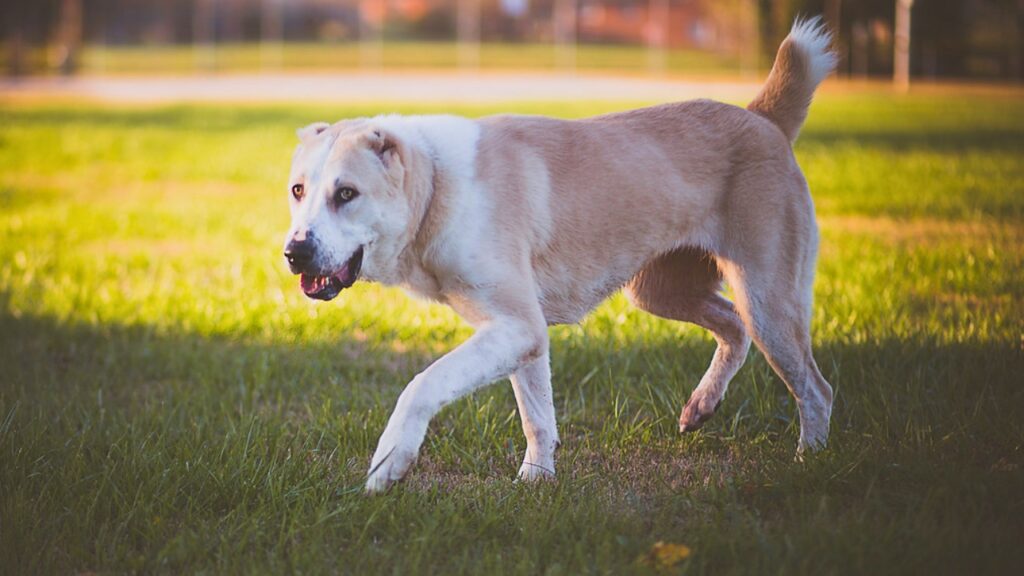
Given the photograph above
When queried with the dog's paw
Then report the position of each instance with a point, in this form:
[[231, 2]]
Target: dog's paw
[[814, 424], [811, 443], [696, 412], [396, 453], [533, 472], [806, 451], [388, 468]]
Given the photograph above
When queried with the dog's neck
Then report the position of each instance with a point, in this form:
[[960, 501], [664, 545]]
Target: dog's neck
[[434, 184], [420, 182]]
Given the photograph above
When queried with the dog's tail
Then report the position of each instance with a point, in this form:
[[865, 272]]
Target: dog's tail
[[804, 60]]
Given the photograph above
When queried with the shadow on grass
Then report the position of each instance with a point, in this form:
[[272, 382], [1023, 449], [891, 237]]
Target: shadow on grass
[[926, 454], [45, 357], [883, 388]]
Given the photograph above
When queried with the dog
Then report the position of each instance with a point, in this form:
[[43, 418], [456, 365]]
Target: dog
[[521, 222]]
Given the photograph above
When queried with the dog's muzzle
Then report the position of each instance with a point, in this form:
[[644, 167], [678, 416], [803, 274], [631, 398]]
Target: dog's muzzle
[[299, 255], [320, 284]]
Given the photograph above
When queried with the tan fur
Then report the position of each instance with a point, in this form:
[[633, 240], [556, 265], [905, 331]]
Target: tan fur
[[624, 188], [785, 97], [637, 195]]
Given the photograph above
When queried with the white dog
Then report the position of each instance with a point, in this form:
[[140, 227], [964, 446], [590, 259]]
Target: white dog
[[520, 222]]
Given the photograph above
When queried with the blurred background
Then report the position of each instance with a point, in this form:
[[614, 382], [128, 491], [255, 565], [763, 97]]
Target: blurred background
[[899, 39]]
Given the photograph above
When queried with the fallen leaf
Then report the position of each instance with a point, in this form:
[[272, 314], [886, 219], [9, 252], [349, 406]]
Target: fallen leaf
[[666, 554]]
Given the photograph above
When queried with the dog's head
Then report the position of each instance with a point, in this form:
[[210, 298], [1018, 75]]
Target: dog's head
[[348, 207]]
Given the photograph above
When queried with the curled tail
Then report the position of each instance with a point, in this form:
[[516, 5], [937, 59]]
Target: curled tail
[[804, 60]]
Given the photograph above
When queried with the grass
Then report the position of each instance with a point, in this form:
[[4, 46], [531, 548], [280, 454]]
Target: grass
[[396, 55], [170, 402]]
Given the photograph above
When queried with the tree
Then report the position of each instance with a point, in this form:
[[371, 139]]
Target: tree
[[69, 36], [901, 47]]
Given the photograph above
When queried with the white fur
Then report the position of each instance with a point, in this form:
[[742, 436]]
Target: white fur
[[451, 142], [492, 352], [532, 387], [814, 39], [499, 344], [312, 215]]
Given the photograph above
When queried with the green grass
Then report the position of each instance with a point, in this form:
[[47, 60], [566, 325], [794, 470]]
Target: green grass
[[171, 403], [305, 57]]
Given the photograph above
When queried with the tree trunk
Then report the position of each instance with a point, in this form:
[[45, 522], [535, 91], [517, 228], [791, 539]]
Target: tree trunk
[[204, 45], [69, 36], [372, 14], [834, 20], [565, 33], [657, 34], [901, 56], [271, 34], [1014, 22], [467, 24]]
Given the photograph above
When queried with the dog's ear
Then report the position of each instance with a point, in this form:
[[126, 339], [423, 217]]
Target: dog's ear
[[385, 145], [307, 132]]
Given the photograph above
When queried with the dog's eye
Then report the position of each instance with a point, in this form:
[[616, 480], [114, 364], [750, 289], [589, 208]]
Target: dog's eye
[[344, 194], [298, 191]]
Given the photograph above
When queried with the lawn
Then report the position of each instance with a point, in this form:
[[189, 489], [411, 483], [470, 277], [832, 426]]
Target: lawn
[[171, 403], [390, 55]]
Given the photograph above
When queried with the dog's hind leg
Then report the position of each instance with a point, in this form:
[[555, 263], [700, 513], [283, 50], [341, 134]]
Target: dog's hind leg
[[773, 297], [532, 387], [683, 285]]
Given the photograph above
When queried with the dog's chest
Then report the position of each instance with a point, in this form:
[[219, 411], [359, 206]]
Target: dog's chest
[[421, 284], [568, 301]]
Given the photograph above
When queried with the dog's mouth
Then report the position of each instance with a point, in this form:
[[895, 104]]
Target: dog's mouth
[[327, 287]]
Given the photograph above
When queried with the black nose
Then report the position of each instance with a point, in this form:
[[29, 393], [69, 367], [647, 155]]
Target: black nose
[[299, 253]]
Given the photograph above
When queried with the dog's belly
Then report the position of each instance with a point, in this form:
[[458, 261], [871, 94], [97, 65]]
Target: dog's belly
[[568, 301], [563, 310]]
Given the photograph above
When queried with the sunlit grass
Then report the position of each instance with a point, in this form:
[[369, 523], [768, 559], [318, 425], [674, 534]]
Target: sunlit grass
[[169, 401], [391, 55]]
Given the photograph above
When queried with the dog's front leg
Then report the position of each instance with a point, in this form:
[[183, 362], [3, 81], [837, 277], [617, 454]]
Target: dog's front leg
[[532, 386], [498, 348]]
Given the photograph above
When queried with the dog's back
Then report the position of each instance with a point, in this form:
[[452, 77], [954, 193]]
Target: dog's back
[[605, 194]]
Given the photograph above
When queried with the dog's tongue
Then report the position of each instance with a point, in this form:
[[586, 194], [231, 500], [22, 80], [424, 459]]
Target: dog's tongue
[[313, 284], [342, 275]]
